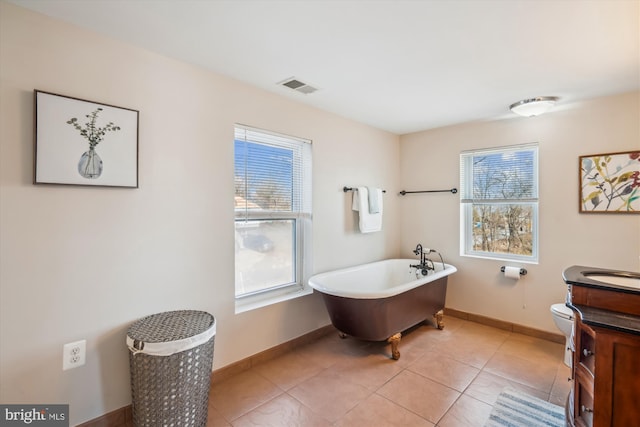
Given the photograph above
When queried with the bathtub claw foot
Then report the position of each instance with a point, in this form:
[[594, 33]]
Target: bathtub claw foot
[[342, 335], [439, 316], [394, 340]]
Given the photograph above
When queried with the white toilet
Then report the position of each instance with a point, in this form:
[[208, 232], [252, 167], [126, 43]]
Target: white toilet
[[563, 318]]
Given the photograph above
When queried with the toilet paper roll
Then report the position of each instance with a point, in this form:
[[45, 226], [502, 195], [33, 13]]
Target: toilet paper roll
[[512, 273]]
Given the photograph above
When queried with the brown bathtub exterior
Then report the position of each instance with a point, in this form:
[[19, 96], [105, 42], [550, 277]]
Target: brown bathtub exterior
[[379, 319]]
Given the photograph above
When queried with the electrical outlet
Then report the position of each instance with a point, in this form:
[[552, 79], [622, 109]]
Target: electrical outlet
[[74, 354]]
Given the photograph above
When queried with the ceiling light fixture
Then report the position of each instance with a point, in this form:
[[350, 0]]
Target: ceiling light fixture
[[534, 106]]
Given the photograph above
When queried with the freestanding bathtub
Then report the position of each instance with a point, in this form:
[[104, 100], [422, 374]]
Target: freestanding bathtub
[[377, 301]]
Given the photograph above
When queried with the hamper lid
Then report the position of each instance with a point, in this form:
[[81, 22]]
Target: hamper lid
[[164, 334]]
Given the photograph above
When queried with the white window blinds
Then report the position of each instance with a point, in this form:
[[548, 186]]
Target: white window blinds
[[498, 175], [272, 173]]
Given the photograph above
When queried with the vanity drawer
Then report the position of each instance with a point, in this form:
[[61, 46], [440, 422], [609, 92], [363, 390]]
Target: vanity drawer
[[587, 349], [585, 346], [622, 302], [583, 410]]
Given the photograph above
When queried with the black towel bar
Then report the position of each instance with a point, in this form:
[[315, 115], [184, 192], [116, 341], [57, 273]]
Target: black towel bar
[[452, 191], [345, 189]]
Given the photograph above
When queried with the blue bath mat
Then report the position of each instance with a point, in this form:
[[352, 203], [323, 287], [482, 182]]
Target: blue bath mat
[[517, 409]]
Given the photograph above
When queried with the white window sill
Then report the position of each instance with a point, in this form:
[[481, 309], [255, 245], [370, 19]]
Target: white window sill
[[503, 258], [268, 298]]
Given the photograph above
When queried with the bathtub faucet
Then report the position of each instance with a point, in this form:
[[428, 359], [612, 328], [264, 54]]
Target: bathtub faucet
[[424, 266], [425, 263], [418, 250]]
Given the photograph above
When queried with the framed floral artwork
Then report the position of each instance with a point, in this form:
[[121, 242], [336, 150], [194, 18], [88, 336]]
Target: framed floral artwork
[[80, 142], [610, 183]]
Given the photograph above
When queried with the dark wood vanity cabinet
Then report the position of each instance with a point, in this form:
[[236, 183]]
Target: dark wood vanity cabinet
[[606, 358], [606, 377]]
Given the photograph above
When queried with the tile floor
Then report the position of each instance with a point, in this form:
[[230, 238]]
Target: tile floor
[[443, 378]]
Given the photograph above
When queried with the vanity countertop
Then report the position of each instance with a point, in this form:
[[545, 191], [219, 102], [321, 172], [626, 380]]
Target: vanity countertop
[[602, 304], [575, 275]]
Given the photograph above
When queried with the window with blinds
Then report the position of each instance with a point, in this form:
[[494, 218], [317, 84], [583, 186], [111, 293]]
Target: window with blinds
[[499, 203], [272, 212]]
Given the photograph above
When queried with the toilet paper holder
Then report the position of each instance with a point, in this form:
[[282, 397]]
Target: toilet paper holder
[[522, 270]]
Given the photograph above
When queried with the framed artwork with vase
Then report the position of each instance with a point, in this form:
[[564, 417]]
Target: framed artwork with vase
[[79, 142], [610, 183]]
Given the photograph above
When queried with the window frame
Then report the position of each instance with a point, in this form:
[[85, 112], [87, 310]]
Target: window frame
[[300, 214], [467, 203]]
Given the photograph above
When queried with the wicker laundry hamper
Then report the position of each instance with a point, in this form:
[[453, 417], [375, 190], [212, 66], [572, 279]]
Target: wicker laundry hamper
[[171, 356]]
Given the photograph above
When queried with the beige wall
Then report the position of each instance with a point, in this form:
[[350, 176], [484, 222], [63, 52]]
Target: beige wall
[[85, 262], [430, 160]]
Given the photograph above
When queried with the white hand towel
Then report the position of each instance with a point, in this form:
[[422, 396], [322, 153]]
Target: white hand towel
[[369, 222], [355, 204], [374, 200]]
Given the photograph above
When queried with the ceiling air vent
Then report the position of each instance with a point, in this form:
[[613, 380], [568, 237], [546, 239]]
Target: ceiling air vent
[[297, 85]]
